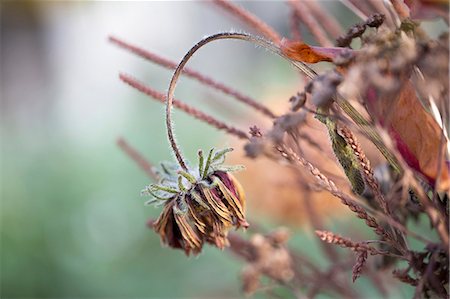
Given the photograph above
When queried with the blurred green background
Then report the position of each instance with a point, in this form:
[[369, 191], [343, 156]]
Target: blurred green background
[[72, 220]]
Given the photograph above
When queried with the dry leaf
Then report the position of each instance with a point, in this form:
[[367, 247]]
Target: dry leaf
[[416, 133], [302, 52]]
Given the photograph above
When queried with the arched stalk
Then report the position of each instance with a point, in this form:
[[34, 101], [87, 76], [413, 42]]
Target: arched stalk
[[226, 35]]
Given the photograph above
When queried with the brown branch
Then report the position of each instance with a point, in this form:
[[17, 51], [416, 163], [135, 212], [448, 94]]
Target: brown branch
[[310, 22], [250, 19], [328, 22], [435, 216], [360, 8], [169, 64], [404, 277], [182, 106], [380, 8], [294, 25], [317, 224], [401, 9], [332, 238], [137, 157]]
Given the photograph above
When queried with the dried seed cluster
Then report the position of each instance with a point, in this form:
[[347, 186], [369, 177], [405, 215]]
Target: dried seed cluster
[[199, 206]]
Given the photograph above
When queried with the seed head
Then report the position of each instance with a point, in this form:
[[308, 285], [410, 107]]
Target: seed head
[[199, 206]]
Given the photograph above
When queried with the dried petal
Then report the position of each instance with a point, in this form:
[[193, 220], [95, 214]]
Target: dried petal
[[204, 210]]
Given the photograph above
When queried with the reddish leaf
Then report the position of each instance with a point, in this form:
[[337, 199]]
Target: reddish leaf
[[302, 52], [416, 133]]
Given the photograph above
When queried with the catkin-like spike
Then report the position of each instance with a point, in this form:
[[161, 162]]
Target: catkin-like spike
[[358, 267], [329, 185], [332, 238]]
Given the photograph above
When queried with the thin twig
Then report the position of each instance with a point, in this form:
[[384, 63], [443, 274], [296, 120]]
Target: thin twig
[[380, 8], [160, 97], [328, 22], [169, 64], [294, 26], [401, 9], [311, 23], [359, 8], [317, 224], [250, 19], [137, 157]]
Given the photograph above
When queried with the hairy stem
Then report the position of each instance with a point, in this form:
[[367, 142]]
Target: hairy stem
[[179, 70], [250, 19]]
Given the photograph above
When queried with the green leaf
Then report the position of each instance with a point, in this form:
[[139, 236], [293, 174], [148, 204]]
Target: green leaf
[[208, 162], [219, 157], [344, 153], [200, 163], [187, 176]]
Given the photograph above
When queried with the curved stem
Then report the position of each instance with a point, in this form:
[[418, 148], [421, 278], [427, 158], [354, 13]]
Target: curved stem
[[170, 93]]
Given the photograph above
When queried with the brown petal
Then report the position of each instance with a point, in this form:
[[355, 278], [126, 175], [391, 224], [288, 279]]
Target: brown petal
[[191, 240], [166, 227], [233, 203], [216, 205], [199, 223]]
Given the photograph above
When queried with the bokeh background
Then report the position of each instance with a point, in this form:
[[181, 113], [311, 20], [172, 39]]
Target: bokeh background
[[72, 219]]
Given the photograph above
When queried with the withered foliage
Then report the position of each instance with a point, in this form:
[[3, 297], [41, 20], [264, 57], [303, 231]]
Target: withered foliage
[[385, 100]]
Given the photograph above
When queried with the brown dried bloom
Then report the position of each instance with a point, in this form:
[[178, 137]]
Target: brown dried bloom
[[199, 207], [268, 256], [386, 92]]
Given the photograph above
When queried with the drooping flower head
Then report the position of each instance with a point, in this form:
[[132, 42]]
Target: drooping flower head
[[200, 205]]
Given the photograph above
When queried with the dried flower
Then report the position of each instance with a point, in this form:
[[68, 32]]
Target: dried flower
[[268, 255], [398, 80], [199, 206]]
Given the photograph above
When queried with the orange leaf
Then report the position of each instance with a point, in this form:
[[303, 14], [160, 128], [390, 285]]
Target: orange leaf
[[310, 54], [302, 52]]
